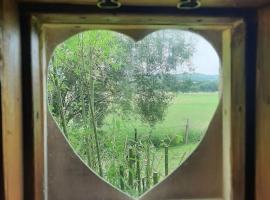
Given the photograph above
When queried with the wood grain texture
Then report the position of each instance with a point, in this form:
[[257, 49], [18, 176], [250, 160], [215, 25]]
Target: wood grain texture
[[238, 104], [263, 108], [68, 177], [11, 103], [199, 177], [55, 35], [134, 21], [205, 3], [226, 113], [1, 136], [39, 109]]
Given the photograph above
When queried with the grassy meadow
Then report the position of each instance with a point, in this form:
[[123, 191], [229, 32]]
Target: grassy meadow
[[118, 135], [197, 108], [126, 110]]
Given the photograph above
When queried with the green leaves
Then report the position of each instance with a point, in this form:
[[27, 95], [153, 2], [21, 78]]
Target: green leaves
[[102, 73]]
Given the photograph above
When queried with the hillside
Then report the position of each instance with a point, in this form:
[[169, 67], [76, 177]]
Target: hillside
[[197, 77]]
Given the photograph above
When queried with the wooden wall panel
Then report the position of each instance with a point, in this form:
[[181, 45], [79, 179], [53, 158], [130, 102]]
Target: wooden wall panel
[[205, 3], [238, 112], [200, 176], [1, 67], [68, 177], [263, 108], [11, 103], [196, 178]]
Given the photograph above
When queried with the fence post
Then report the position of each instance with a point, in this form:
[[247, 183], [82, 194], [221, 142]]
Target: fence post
[[187, 132], [148, 166], [143, 184], [166, 160], [155, 178], [121, 179], [130, 166], [138, 168]]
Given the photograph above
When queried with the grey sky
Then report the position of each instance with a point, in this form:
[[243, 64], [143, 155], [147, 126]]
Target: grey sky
[[205, 59]]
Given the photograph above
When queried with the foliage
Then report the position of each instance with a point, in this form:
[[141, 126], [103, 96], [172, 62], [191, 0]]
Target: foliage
[[102, 86]]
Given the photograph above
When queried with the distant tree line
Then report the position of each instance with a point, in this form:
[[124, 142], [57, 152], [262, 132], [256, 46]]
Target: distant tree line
[[187, 84]]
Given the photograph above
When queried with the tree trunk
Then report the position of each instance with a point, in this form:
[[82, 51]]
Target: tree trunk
[[59, 99], [89, 152]]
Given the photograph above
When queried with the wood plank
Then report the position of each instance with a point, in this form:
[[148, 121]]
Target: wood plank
[[131, 21], [226, 112], [11, 103], [196, 178], [205, 3], [39, 108], [238, 120], [1, 72], [263, 108], [234, 113]]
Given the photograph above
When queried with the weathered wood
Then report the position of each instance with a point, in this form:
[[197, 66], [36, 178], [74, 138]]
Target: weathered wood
[[227, 104], [205, 3], [10, 72], [68, 177], [2, 196], [196, 174], [234, 113], [35, 108], [238, 111], [263, 107]]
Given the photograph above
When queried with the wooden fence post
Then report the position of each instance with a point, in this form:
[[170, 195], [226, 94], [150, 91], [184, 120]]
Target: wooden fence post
[[166, 160], [143, 184], [130, 167], [148, 166], [121, 178], [138, 168], [155, 178], [187, 132]]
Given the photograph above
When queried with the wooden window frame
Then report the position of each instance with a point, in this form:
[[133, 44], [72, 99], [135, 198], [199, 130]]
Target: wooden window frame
[[239, 176]]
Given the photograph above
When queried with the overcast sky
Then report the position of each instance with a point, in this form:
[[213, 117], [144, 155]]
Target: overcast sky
[[205, 59]]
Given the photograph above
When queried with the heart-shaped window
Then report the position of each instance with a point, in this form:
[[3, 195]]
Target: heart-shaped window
[[133, 111]]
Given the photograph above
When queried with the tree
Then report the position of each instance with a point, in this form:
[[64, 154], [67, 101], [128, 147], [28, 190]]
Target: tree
[[154, 59], [89, 78], [98, 73]]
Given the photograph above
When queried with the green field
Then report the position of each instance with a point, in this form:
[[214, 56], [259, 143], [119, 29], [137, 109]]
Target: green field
[[197, 108], [177, 155], [117, 136]]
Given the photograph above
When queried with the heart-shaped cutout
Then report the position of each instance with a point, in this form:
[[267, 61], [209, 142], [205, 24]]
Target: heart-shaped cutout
[[133, 111]]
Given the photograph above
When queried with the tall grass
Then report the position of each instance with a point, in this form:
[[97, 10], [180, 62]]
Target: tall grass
[[133, 161]]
